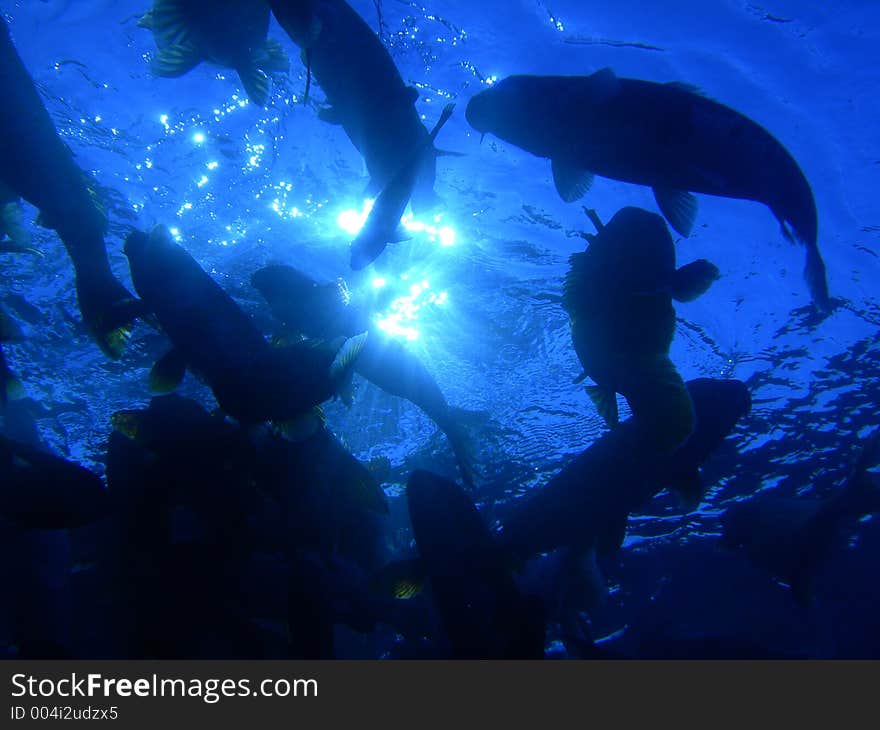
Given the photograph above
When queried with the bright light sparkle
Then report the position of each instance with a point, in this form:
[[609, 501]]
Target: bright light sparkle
[[403, 314], [199, 137], [351, 221]]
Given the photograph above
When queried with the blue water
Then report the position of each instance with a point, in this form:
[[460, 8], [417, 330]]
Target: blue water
[[243, 186]]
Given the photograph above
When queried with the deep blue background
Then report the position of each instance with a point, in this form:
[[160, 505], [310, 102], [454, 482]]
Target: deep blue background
[[270, 185]]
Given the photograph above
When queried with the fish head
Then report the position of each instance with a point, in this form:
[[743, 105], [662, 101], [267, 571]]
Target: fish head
[[503, 103]]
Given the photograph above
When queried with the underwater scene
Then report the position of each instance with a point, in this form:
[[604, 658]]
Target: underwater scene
[[419, 329]]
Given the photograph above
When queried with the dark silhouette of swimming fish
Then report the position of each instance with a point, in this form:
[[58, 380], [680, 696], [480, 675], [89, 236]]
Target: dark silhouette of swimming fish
[[666, 136], [228, 33], [365, 91]]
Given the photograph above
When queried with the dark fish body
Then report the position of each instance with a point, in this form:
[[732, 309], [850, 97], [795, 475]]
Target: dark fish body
[[482, 612], [618, 295], [587, 504], [792, 538], [38, 166], [228, 33], [383, 224], [324, 311], [252, 381], [364, 88], [41, 491], [664, 136]]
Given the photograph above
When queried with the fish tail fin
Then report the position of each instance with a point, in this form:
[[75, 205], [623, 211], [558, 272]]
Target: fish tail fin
[[109, 312], [661, 404], [693, 280]]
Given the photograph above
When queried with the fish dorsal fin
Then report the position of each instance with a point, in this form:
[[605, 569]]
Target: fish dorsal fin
[[572, 182], [604, 83], [690, 88], [679, 207]]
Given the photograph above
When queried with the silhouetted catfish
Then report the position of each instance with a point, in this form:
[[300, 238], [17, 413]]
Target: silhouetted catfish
[[666, 136], [39, 490], [618, 295], [482, 611], [229, 33], [383, 224], [325, 312], [251, 380], [791, 538], [587, 504], [37, 166], [365, 91]]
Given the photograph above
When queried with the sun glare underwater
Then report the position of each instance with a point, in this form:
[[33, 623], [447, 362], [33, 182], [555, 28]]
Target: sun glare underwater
[[436, 329]]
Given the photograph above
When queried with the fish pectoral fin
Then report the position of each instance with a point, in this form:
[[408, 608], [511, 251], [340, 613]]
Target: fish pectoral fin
[[611, 538], [330, 115], [256, 84], [400, 234], [606, 403], [304, 426], [401, 579], [168, 371], [174, 61], [167, 19], [572, 182], [679, 207], [693, 280], [342, 366], [688, 489]]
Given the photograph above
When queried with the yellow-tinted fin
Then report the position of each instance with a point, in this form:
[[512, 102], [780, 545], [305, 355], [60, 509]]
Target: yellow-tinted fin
[[126, 422], [176, 60], [168, 372], [606, 403], [113, 343], [256, 84], [303, 426], [402, 579]]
